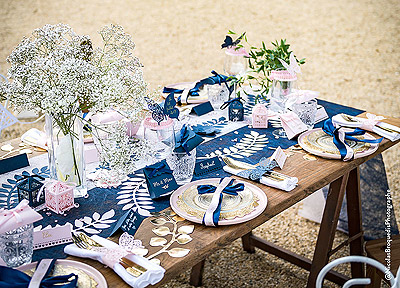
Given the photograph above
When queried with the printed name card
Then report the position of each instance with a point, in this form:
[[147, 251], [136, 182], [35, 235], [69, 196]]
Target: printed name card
[[321, 114], [207, 166], [279, 156], [292, 124], [159, 179], [129, 222], [52, 237]]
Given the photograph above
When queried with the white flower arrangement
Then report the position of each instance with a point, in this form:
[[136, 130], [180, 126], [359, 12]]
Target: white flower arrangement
[[57, 72]]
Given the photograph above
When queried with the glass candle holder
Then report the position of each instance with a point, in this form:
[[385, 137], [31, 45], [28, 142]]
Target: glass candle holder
[[182, 166], [306, 112], [235, 62], [16, 246], [161, 137]]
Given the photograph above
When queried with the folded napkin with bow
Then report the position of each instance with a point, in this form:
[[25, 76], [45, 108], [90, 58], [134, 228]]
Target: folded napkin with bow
[[372, 123], [341, 134], [195, 88], [262, 173], [110, 255], [227, 186]]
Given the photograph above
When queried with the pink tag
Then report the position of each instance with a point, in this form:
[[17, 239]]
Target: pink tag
[[279, 156], [292, 124], [52, 237]]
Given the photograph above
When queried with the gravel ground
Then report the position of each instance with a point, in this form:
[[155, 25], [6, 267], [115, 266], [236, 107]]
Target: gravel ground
[[352, 50]]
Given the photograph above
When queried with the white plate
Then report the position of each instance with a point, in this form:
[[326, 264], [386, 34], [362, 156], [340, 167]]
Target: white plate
[[262, 203], [317, 147], [91, 271]]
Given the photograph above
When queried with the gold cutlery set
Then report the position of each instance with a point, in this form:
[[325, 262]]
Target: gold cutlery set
[[85, 242]]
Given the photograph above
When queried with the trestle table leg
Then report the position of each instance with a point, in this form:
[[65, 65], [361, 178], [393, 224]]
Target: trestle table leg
[[196, 275], [328, 227], [355, 220]]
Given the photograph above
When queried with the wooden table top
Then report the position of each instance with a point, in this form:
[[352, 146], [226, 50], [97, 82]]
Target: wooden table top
[[312, 176]]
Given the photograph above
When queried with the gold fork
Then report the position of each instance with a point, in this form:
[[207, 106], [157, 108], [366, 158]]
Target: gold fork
[[85, 242], [244, 166]]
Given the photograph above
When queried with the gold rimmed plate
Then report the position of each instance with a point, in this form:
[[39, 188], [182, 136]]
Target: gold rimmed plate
[[188, 204], [88, 276], [317, 142]]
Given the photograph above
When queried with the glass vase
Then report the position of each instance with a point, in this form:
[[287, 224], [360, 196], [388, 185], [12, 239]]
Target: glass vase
[[16, 246], [283, 83], [66, 153]]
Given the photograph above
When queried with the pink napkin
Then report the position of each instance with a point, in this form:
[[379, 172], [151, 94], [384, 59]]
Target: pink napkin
[[17, 217]]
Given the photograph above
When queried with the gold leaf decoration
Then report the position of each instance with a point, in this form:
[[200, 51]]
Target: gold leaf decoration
[[157, 241], [161, 231], [178, 252], [187, 229]]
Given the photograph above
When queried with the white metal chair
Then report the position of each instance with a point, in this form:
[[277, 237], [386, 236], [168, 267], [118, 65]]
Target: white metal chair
[[394, 281]]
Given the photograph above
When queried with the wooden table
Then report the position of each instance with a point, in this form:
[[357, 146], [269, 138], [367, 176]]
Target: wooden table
[[312, 175]]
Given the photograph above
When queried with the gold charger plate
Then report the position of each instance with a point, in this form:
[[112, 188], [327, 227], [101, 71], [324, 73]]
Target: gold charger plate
[[188, 204], [317, 142], [88, 276]]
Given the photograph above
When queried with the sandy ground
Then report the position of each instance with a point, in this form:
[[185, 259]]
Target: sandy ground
[[352, 50]]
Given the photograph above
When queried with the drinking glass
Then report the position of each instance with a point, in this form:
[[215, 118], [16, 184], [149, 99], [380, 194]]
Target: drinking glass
[[182, 166], [306, 112], [160, 136], [217, 95], [16, 246]]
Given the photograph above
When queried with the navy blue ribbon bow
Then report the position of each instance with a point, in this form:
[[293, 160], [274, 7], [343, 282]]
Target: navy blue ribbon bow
[[183, 139], [216, 79], [230, 189], [12, 278], [158, 169], [229, 102], [340, 137]]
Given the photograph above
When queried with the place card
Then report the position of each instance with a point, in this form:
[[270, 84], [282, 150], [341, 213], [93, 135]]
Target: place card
[[13, 163], [321, 114], [49, 237], [292, 124], [160, 180], [207, 166], [203, 108], [129, 222], [279, 156]]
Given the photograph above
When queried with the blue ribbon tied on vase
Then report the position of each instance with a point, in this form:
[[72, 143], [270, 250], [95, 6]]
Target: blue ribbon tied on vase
[[12, 278], [340, 137], [227, 186], [215, 79], [265, 165]]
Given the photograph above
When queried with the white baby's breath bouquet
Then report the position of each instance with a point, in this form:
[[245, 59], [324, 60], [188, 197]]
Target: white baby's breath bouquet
[[58, 72]]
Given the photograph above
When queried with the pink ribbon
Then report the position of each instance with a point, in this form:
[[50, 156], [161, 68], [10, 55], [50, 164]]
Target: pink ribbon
[[369, 123], [19, 216]]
